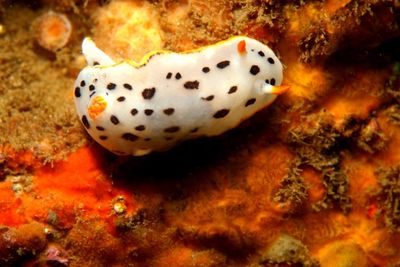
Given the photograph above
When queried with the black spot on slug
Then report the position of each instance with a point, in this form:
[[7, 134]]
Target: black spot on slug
[[261, 53], [114, 119], [168, 111], [249, 102], [273, 81], [148, 93], [223, 64], [121, 99], [127, 86], [271, 60], [130, 137], [191, 85], [140, 128], [232, 89], [178, 76], [206, 69], [83, 83], [172, 129], [254, 69], [134, 111], [221, 113], [111, 86], [91, 87], [148, 112], [208, 98], [169, 75], [85, 122], [100, 128], [77, 92]]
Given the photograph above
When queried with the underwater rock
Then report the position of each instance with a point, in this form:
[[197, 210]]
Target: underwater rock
[[287, 249], [19, 243], [343, 254]]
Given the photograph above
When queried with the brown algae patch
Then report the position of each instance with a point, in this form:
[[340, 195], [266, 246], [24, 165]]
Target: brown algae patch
[[389, 196], [316, 143], [36, 108]]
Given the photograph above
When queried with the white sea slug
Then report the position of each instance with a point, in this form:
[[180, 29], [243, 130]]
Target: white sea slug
[[136, 108]]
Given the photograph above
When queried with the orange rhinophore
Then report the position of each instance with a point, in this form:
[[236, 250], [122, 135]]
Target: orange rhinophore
[[241, 47], [97, 106], [278, 90]]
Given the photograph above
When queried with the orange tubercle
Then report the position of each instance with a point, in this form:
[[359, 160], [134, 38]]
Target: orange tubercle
[[98, 105], [241, 47]]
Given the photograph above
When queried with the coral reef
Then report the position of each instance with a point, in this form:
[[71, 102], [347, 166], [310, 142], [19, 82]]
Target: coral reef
[[313, 180]]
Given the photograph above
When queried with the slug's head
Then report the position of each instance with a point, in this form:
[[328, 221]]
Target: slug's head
[[263, 66], [91, 95]]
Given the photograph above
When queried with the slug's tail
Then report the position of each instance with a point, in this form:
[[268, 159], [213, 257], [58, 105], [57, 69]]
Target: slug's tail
[[93, 55]]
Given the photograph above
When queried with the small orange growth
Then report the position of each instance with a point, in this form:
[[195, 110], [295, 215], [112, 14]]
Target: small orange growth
[[52, 30], [372, 210], [241, 47], [98, 105]]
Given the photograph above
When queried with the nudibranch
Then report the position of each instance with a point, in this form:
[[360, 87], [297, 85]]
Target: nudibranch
[[136, 108]]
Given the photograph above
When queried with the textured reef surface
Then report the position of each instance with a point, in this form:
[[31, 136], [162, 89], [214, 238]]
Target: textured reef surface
[[313, 180]]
